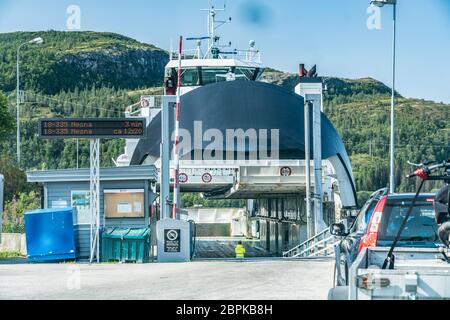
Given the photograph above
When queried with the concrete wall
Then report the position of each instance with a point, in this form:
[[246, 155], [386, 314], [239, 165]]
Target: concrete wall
[[13, 242], [234, 218], [61, 191], [212, 229]]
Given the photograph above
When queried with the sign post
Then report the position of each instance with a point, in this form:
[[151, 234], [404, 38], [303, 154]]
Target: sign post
[[93, 129], [94, 189]]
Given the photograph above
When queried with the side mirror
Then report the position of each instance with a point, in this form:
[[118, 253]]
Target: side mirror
[[338, 229]]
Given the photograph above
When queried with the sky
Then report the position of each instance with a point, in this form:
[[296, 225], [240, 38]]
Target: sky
[[330, 33]]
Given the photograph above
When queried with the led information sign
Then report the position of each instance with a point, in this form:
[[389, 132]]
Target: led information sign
[[92, 128]]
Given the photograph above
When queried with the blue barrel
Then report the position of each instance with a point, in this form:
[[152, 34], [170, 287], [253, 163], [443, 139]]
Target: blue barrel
[[50, 234]]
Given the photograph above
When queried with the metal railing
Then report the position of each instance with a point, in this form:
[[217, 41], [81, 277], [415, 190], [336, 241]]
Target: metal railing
[[321, 245], [253, 56], [152, 102], [186, 55]]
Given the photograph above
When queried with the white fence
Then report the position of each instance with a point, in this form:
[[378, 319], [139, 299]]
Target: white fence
[[13, 242]]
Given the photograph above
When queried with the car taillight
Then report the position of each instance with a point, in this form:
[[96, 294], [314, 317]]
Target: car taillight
[[371, 237]]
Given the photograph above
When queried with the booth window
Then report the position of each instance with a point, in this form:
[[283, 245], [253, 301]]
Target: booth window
[[80, 200], [128, 203]]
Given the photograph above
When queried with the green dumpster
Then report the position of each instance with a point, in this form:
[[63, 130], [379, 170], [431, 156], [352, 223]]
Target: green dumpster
[[136, 246], [112, 239]]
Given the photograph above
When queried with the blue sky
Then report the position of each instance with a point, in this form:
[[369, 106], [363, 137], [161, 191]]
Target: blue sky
[[330, 33]]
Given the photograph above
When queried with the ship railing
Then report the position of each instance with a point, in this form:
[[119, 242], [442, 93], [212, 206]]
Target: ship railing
[[147, 102], [249, 56], [187, 54]]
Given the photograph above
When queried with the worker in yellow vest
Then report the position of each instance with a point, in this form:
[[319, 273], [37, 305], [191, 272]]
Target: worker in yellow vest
[[239, 250]]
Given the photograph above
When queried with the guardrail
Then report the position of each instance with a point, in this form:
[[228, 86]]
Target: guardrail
[[252, 56], [152, 102], [322, 244]]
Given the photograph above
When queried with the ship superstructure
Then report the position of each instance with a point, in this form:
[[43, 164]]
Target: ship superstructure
[[209, 62], [217, 63]]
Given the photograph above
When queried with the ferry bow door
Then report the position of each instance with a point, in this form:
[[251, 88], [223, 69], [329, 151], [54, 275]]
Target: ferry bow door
[[285, 226], [277, 208], [272, 227], [268, 223], [285, 236]]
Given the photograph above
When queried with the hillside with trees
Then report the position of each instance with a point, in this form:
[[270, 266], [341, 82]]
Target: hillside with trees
[[79, 60], [360, 111]]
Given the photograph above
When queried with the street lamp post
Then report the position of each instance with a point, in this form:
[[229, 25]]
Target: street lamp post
[[381, 3], [38, 40]]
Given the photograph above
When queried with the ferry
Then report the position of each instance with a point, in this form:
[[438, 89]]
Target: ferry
[[228, 81]]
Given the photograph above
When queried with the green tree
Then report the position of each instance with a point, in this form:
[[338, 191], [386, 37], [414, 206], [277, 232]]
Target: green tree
[[363, 196], [15, 178], [15, 209], [190, 200], [6, 119]]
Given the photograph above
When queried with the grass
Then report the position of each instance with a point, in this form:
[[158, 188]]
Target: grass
[[67, 262], [109, 262], [9, 254], [75, 262]]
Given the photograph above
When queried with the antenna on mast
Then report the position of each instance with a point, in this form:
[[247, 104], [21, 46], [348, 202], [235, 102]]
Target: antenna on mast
[[213, 25]]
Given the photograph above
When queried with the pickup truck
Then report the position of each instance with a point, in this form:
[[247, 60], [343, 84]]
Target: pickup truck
[[419, 273]]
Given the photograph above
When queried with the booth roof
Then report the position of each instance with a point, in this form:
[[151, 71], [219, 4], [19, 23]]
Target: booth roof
[[143, 172]]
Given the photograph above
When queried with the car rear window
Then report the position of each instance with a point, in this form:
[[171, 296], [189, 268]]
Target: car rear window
[[420, 227], [364, 217]]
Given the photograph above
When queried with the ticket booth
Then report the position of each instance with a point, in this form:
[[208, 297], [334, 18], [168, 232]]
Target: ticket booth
[[126, 195]]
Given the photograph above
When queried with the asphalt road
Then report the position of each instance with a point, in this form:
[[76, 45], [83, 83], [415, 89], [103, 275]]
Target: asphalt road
[[269, 278]]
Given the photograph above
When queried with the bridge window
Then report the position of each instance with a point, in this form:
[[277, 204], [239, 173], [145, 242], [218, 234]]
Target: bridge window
[[251, 74], [198, 76], [213, 75], [190, 77]]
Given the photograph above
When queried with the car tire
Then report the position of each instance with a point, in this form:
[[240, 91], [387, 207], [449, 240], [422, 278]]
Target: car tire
[[338, 293], [444, 233]]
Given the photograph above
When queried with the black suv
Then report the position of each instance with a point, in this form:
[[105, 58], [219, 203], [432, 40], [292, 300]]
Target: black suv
[[377, 224]]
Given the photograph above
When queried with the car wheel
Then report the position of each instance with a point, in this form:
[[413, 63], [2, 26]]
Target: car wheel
[[338, 293], [444, 233]]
